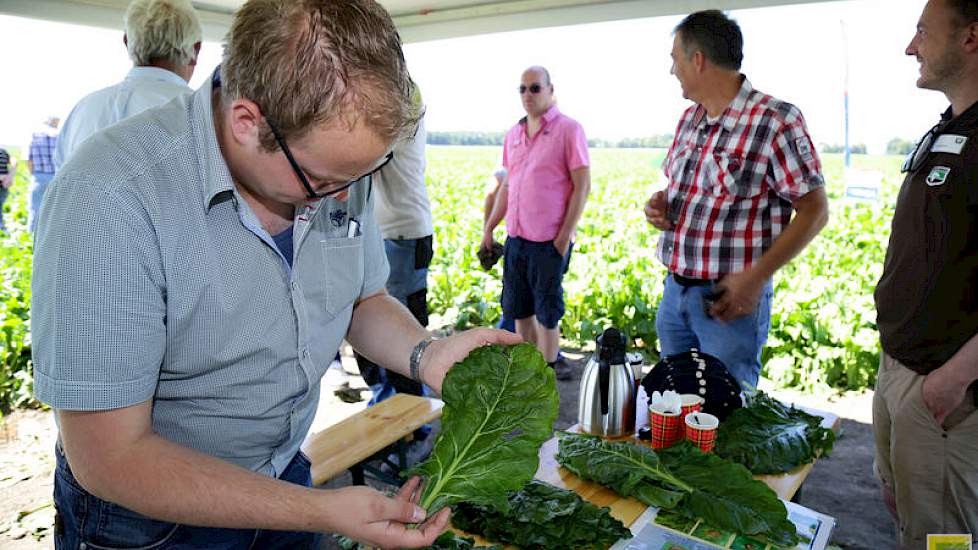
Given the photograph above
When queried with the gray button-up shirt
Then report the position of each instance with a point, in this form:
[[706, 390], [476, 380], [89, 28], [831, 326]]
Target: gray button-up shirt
[[153, 279]]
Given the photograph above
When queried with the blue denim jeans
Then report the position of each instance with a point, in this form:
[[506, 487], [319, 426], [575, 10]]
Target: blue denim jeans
[[682, 324], [41, 181], [84, 522]]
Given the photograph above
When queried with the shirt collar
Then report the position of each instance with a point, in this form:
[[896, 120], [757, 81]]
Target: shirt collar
[[730, 115], [967, 119], [214, 169], [155, 73]]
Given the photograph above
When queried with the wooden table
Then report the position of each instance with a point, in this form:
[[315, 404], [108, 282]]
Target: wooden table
[[627, 509], [355, 439]]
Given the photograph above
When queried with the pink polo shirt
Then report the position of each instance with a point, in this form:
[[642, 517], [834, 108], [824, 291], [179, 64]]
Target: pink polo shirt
[[540, 169]]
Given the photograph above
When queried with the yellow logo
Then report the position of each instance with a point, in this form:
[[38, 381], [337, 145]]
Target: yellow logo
[[948, 542]]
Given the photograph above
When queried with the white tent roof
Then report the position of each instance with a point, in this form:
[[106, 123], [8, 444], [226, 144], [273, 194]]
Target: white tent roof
[[417, 20]]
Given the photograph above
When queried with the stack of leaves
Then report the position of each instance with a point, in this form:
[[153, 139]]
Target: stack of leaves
[[683, 478], [445, 541], [542, 516], [769, 437], [500, 407]]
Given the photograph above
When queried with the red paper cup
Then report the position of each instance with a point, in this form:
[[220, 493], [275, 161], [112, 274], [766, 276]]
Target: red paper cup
[[691, 403], [701, 430], [667, 428]]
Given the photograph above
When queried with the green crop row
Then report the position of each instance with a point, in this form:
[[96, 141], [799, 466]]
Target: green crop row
[[823, 331]]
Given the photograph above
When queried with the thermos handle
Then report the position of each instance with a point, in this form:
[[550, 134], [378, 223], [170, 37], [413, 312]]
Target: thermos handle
[[604, 373]]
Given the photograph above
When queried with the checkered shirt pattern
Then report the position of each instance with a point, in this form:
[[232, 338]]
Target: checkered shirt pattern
[[732, 181], [42, 152]]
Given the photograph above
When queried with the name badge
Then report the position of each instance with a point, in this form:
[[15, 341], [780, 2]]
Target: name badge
[[949, 143]]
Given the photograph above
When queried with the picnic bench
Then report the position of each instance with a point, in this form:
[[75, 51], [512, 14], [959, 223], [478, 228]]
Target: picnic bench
[[373, 433]]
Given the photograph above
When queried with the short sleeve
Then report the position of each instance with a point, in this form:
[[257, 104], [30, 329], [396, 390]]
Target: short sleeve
[[795, 165], [576, 148], [98, 300]]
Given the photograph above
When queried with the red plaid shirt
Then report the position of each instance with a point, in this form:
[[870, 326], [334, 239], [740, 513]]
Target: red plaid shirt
[[732, 182]]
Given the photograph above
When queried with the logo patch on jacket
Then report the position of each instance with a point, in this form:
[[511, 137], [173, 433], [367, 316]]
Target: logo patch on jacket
[[337, 217], [938, 175]]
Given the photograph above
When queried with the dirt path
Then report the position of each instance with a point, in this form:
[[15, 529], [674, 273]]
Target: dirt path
[[841, 485]]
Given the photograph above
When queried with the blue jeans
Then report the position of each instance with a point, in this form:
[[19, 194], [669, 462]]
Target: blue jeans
[[86, 521], [41, 181], [682, 324]]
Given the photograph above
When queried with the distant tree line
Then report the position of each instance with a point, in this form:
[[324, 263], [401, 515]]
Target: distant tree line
[[496, 138], [857, 149], [900, 146]]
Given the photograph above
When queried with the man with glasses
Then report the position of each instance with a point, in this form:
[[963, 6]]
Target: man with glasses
[[740, 163], [542, 198], [203, 262], [927, 305]]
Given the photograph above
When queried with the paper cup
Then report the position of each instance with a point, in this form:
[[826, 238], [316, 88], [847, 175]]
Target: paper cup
[[701, 430], [667, 428], [691, 403]]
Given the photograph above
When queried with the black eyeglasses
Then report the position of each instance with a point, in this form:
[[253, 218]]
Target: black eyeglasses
[[300, 173], [533, 88], [919, 154]]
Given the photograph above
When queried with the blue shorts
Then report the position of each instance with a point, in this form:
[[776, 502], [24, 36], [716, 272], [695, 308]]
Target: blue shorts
[[533, 276]]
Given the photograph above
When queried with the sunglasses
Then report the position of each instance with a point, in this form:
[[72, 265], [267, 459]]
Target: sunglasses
[[920, 152], [300, 173], [533, 88]]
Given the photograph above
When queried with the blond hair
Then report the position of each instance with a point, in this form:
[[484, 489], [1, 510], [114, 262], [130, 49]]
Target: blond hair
[[161, 30], [309, 62]]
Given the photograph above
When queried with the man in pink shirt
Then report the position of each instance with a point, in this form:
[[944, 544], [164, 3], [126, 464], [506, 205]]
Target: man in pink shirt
[[542, 198]]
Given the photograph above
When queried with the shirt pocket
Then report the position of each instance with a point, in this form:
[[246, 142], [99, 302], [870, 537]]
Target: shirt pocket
[[736, 176], [677, 163], [343, 270]]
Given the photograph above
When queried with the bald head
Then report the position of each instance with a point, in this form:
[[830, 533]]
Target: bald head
[[536, 91]]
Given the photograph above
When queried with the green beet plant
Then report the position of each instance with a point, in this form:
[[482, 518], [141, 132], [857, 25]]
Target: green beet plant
[[684, 479], [769, 437], [543, 517], [500, 407]]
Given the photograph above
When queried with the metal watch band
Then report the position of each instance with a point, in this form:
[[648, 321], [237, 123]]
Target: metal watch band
[[416, 354]]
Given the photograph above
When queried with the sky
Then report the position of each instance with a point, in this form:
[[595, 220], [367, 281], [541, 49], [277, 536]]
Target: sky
[[613, 77]]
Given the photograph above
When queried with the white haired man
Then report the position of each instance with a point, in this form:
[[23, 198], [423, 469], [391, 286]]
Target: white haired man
[[163, 40]]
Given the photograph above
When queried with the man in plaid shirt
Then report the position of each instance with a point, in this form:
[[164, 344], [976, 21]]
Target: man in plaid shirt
[[740, 163], [40, 161]]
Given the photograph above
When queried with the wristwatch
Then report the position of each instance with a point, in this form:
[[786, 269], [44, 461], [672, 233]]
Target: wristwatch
[[416, 354]]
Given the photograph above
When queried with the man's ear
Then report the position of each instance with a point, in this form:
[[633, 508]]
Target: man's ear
[[193, 62], [971, 38], [699, 61], [245, 122]]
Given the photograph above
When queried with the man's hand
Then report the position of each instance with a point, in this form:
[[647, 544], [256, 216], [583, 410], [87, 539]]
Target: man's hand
[[739, 294], [371, 518], [441, 355], [656, 211], [486, 240], [562, 244], [943, 392]]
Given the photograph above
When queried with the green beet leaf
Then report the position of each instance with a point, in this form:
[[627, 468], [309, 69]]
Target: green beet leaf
[[727, 495], [683, 478], [500, 407], [769, 437], [631, 470], [542, 516]]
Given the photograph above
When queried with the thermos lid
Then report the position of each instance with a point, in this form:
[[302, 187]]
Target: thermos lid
[[611, 346]]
